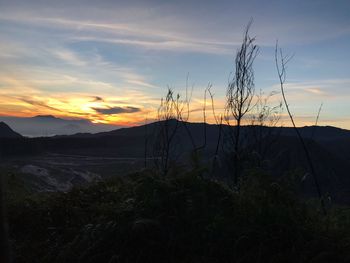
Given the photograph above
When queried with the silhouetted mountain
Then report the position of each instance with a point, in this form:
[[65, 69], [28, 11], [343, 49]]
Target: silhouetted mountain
[[320, 133], [329, 148], [131, 141], [48, 125], [7, 132]]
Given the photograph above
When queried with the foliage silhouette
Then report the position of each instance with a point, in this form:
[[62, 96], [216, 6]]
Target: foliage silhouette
[[146, 217]]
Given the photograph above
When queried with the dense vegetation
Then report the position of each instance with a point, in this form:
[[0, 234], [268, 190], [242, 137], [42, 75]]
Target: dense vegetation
[[145, 217]]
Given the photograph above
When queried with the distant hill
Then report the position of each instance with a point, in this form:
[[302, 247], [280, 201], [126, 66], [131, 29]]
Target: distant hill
[[49, 125], [318, 133], [7, 132]]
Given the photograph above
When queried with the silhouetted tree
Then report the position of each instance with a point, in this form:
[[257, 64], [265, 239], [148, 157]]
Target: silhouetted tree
[[168, 123], [239, 97]]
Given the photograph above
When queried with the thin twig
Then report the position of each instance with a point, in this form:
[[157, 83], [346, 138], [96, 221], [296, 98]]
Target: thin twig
[[316, 122], [281, 70]]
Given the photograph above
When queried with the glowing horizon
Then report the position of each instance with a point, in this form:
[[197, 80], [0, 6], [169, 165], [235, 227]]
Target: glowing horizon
[[112, 62]]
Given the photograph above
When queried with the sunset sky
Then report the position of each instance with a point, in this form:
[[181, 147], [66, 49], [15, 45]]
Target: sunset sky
[[112, 61]]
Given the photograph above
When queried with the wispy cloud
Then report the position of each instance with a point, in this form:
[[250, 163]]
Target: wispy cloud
[[148, 37], [97, 99], [168, 44], [117, 110], [69, 57], [330, 88], [38, 103]]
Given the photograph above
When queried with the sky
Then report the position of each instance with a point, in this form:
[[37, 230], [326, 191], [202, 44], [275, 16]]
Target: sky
[[112, 61]]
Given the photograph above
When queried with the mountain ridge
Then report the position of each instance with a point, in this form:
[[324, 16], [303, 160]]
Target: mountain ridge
[[328, 147], [7, 132]]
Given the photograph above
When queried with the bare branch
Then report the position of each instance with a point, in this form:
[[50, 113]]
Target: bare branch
[[281, 62]]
